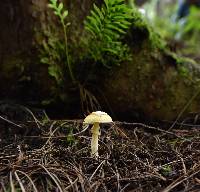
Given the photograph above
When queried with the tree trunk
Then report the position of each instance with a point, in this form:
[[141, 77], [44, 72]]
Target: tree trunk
[[155, 83]]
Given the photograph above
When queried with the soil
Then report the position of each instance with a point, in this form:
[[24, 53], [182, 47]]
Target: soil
[[54, 155]]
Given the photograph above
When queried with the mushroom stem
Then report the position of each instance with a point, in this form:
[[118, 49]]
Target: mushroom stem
[[95, 136]]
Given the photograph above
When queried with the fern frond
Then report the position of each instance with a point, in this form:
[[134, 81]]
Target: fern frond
[[107, 25]]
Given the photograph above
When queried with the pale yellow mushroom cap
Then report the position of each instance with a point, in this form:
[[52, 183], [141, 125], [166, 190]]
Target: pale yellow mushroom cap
[[97, 117]]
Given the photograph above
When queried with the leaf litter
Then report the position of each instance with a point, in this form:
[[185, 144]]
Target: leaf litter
[[55, 156]]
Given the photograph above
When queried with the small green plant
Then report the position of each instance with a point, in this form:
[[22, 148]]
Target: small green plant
[[166, 170], [53, 54], [70, 137], [56, 55], [107, 26], [62, 15], [191, 28]]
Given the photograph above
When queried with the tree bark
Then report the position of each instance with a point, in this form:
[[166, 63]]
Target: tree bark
[[155, 83]]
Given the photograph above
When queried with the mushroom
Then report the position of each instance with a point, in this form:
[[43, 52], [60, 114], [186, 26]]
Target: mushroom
[[96, 118]]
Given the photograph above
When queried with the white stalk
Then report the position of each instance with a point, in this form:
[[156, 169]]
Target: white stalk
[[95, 136]]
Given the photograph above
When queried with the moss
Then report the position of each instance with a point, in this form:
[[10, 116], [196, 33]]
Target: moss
[[179, 59], [14, 66]]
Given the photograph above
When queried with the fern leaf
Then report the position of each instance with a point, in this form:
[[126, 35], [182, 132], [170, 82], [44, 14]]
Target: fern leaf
[[122, 25], [107, 25], [90, 29], [114, 27], [110, 32], [97, 18], [108, 38], [107, 4], [100, 13], [93, 24], [118, 1], [103, 11]]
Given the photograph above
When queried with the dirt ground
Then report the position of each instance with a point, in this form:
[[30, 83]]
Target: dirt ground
[[53, 156]]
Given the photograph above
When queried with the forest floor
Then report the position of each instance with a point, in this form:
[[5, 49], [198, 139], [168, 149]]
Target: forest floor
[[54, 156]]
